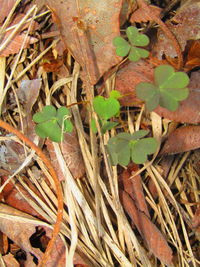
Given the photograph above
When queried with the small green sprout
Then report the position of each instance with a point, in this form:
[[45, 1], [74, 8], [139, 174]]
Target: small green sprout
[[106, 108], [52, 123], [124, 48], [125, 147], [169, 88]]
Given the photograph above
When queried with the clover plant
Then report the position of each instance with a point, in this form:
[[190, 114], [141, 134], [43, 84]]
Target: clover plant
[[168, 89], [130, 47], [52, 123], [125, 147], [106, 108]]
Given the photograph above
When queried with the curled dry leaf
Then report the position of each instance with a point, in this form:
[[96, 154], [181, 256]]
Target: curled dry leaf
[[88, 28], [183, 139], [185, 25], [71, 153]]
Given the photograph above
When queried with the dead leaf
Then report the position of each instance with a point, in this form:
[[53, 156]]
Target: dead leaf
[[71, 153], [6, 6], [18, 230], [13, 198], [193, 56], [142, 15], [153, 237], [128, 77], [10, 260], [88, 31], [16, 42], [196, 218], [133, 186], [183, 139], [185, 25]]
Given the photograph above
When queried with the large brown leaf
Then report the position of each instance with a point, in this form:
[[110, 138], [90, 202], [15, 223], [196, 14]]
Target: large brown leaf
[[182, 139], [88, 28]]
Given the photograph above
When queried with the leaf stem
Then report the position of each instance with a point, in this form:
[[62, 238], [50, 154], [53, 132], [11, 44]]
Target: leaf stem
[[48, 164]]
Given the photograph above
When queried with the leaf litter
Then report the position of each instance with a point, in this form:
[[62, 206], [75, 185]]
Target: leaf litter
[[88, 30]]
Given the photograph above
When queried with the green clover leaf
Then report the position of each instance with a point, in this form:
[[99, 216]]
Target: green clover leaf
[[124, 48], [52, 123], [125, 147], [106, 107], [169, 88]]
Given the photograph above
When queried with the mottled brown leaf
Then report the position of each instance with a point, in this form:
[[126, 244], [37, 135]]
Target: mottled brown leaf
[[185, 25], [183, 139], [88, 28], [10, 260]]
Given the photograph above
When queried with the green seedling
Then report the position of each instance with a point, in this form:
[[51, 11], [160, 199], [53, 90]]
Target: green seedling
[[52, 123], [168, 89], [106, 108], [125, 147], [130, 47]]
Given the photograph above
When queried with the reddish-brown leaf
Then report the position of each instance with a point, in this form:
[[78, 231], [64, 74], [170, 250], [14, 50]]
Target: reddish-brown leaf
[[185, 26], [18, 231], [10, 260], [128, 77], [196, 219], [133, 186], [71, 153], [88, 31], [6, 6], [153, 237], [142, 15], [183, 139], [13, 197], [193, 56]]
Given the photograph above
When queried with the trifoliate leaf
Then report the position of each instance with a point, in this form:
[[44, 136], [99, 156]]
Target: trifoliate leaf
[[168, 90], [136, 38], [49, 129], [106, 107], [137, 53], [122, 46], [62, 113], [47, 113], [142, 148], [166, 77]]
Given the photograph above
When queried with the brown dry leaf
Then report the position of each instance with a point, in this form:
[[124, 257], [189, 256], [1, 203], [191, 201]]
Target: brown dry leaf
[[13, 198], [196, 218], [20, 231], [141, 15], [133, 186], [71, 153], [183, 139], [153, 237], [128, 77], [17, 230], [88, 28], [193, 57], [16, 43], [6, 6], [10, 260], [185, 25]]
